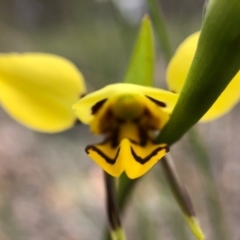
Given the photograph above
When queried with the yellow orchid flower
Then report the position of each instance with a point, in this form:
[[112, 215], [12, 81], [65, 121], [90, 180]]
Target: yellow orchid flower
[[38, 90], [177, 72], [127, 115]]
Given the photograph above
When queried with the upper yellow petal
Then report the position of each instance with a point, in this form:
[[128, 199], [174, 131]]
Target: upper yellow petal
[[39, 89], [84, 107], [177, 72]]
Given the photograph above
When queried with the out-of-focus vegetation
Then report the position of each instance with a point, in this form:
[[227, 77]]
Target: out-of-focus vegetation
[[49, 188]]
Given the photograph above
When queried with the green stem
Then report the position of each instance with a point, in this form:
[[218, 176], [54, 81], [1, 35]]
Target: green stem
[[177, 187], [181, 195], [115, 229], [215, 210], [125, 189], [160, 26]]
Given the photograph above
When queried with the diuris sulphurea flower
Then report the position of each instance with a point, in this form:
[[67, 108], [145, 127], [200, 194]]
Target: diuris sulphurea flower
[[127, 115]]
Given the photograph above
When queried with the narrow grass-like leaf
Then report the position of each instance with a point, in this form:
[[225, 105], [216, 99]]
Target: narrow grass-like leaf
[[160, 27], [141, 67], [216, 61]]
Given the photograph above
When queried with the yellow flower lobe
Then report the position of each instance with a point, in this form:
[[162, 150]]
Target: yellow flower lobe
[[127, 115]]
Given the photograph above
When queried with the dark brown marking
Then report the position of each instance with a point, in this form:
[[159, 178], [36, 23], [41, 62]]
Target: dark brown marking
[[114, 138], [98, 105], [121, 120], [133, 141], [83, 95], [77, 122], [146, 159], [136, 120], [103, 155], [159, 103], [143, 136]]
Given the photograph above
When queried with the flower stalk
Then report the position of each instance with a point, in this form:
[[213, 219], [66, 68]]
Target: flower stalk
[[115, 227], [208, 182], [181, 195]]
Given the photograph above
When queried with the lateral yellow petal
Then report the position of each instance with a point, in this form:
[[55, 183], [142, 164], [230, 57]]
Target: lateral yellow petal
[[100, 123], [226, 101], [140, 159], [177, 72], [38, 90], [180, 63], [86, 107], [107, 157]]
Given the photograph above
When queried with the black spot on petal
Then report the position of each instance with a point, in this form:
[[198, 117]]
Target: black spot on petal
[[97, 106], [159, 103]]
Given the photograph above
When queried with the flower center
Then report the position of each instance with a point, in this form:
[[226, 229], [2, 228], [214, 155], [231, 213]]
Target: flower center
[[127, 107]]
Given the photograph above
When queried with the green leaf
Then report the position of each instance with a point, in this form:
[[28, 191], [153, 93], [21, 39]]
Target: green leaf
[[160, 28], [216, 61], [141, 67]]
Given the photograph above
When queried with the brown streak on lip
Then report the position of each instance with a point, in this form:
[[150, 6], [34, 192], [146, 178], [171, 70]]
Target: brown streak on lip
[[77, 122], [83, 95], [95, 108], [159, 103], [148, 158], [104, 156]]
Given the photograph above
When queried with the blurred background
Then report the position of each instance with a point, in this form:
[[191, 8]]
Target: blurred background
[[49, 188]]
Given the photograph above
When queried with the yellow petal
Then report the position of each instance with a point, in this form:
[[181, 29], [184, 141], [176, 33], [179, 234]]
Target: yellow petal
[[177, 72], [107, 157], [85, 106], [39, 89], [128, 106], [180, 63], [140, 159]]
